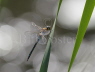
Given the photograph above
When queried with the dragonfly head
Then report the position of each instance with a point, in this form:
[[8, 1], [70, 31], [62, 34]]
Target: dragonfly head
[[48, 27]]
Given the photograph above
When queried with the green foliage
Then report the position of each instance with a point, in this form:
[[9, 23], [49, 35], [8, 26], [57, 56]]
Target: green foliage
[[44, 65], [88, 9]]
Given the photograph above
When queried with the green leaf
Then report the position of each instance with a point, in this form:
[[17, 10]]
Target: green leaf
[[88, 9], [45, 61]]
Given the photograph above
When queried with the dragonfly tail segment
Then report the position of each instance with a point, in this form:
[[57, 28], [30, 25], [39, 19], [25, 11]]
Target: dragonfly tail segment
[[33, 47]]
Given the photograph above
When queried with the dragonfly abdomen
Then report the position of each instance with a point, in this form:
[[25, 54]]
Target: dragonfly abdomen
[[39, 37]]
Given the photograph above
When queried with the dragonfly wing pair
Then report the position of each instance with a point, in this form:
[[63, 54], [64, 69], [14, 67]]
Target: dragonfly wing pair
[[35, 32]]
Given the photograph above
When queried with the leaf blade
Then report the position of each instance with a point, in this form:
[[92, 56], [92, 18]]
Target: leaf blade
[[45, 61], [88, 9]]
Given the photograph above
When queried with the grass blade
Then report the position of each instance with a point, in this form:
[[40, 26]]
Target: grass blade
[[88, 9], [45, 61]]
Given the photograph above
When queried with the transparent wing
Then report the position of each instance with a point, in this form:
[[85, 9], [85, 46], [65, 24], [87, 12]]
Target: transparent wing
[[36, 26], [43, 40], [33, 29], [34, 36]]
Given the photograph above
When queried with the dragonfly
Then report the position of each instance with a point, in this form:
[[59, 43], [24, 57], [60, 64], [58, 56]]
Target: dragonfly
[[40, 35]]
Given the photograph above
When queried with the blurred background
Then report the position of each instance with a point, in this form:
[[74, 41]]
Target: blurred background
[[18, 35]]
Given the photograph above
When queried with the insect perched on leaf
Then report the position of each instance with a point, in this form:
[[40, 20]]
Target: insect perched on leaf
[[40, 36]]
